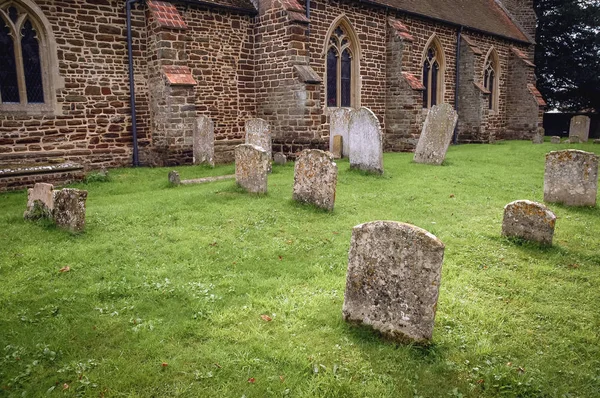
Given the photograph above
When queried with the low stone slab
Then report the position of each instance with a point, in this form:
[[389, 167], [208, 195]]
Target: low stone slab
[[280, 159], [251, 168], [597, 141], [315, 178], [436, 135], [69, 209], [204, 141], [40, 202], [174, 178], [555, 139], [366, 141], [207, 179], [580, 128], [393, 280], [339, 125], [530, 221], [574, 140], [571, 178]]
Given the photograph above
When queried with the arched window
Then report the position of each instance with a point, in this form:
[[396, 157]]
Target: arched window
[[342, 64], [491, 72], [25, 64], [433, 73]]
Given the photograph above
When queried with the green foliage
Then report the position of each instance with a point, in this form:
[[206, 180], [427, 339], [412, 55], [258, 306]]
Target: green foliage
[[166, 288]]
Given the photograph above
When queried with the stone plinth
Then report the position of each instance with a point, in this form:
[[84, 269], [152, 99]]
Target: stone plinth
[[436, 135], [40, 202], [393, 280], [251, 168], [315, 178], [580, 128], [530, 221], [204, 141], [338, 145], [69, 209], [366, 141], [571, 178]]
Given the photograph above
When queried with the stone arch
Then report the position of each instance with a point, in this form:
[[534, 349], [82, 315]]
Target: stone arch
[[434, 82], [491, 77]]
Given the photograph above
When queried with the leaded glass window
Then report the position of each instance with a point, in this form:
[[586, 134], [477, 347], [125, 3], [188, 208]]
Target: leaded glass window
[[490, 79], [431, 77], [9, 87], [340, 59]]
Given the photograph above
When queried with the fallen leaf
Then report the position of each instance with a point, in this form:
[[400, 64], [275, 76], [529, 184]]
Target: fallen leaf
[[266, 318], [164, 364], [218, 366], [213, 244], [521, 370], [65, 386], [280, 258], [66, 268], [336, 233], [480, 381], [509, 364], [451, 195], [573, 266], [251, 380], [282, 378]]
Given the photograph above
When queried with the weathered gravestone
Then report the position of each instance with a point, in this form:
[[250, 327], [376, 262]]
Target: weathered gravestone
[[174, 178], [204, 141], [529, 220], [392, 285], [258, 132], [555, 139], [580, 127], [436, 135], [574, 140], [571, 178], [338, 147], [538, 138], [251, 168], [69, 209], [339, 125], [40, 202], [597, 141], [315, 178], [366, 141], [280, 159]]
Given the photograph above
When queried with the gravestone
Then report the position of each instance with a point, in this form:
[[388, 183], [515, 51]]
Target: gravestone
[[597, 141], [258, 132], [315, 178], [529, 220], [204, 141], [251, 168], [574, 140], [580, 127], [571, 178], [436, 134], [555, 139], [339, 125], [40, 202], [338, 145], [174, 178], [280, 159], [366, 141], [393, 280], [538, 137], [69, 209]]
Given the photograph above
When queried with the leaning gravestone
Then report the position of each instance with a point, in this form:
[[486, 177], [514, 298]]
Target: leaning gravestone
[[40, 202], [392, 285], [436, 134], [571, 178], [339, 125], [174, 178], [69, 209], [555, 139], [251, 168], [366, 141], [315, 178], [580, 127], [204, 141], [528, 220]]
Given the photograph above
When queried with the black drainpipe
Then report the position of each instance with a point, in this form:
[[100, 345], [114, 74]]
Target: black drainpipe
[[457, 82], [136, 161]]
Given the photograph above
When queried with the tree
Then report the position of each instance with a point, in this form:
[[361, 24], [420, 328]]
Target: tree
[[567, 53]]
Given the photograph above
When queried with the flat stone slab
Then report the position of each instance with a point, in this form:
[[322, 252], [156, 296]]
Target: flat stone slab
[[251, 168], [207, 179], [393, 279], [580, 128], [40, 201], [571, 178], [366, 141], [530, 221], [69, 209], [204, 141], [315, 178], [436, 135]]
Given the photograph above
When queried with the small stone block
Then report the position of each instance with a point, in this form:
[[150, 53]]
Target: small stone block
[[555, 139], [574, 140], [597, 141], [530, 221], [315, 178], [393, 280], [40, 202], [338, 145], [251, 168], [69, 209], [280, 159], [571, 178], [174, 178]]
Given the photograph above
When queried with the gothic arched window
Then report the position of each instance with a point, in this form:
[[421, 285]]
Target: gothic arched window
[[25, 63], [490, 78], [433, 74], [341, 65]]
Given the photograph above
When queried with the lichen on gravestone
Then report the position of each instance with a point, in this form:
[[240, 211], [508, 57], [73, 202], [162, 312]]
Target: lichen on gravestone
[[530, 221], [315, 178]]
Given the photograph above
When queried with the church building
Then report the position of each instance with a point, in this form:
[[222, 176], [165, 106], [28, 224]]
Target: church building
[[108, 83]]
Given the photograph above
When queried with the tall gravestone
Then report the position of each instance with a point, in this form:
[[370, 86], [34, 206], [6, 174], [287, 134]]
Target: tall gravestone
[[571, 178], [69, 209], [204, 141], [258, 132], [40, 201], [366, 141], [339, 125], [436, 134], [529, 220], [315, 178], [393, 280], [251, 168], [580, 127]]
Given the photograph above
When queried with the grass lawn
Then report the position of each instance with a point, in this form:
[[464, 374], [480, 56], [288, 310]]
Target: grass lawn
[[167, 286]]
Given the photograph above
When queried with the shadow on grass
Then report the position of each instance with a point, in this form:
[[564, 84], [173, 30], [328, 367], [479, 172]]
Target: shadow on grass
[[582, 210], [308, 207], [365, 173]]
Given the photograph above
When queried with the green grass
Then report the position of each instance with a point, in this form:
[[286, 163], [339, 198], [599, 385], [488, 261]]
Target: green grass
[[181, 276]]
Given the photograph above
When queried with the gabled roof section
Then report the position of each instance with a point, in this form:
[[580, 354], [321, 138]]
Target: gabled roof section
[[481, 15]]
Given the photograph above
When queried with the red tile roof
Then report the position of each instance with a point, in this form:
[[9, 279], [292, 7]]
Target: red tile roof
[[166, 15], [179, 75], [401, 29], [413, 81], [538, 96]]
